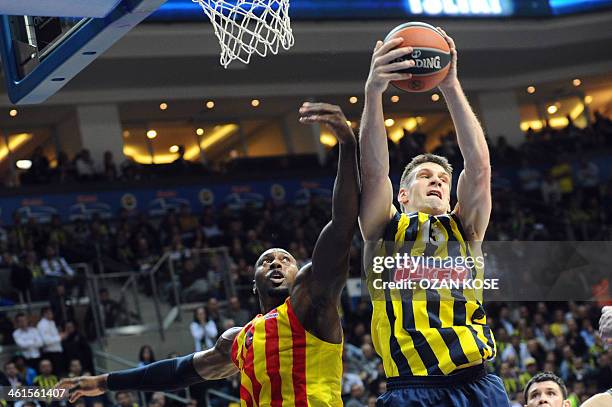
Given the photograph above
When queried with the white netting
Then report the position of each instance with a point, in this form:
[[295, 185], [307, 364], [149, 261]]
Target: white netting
[[245, 27]]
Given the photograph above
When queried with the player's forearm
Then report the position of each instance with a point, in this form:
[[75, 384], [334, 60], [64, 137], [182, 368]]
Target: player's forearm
[[470, 135], [345, 200], [373, 140], [165, 375]]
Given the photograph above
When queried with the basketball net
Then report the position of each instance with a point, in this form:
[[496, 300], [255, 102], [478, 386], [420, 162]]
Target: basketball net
[[246, 27]]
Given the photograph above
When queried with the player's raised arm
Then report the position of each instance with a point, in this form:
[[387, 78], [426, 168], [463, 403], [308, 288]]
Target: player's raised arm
[[331, 253], [377, 191], [165, 375], [474, 185]]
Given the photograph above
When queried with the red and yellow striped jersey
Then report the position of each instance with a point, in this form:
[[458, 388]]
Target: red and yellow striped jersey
[[281, 364]]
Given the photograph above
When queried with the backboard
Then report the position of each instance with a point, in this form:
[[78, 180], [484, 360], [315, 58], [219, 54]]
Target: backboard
[[40, 54]]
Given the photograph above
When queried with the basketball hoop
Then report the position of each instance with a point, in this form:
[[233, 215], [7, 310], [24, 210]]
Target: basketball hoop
[[245, 27]]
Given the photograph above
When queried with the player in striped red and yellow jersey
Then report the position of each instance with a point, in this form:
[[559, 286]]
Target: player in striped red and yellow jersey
[[434, 342], [292, 354]]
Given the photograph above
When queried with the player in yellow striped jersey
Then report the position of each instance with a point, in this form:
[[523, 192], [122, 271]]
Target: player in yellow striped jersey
[[292, 354], [433, 342]]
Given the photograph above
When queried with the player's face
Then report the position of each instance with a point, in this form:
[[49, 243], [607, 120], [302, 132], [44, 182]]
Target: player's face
[[275, 272], [546, 394], [428, 190]]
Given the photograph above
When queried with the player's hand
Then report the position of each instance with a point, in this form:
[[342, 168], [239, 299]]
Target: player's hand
[[332, 116], [83, 386], [605, 324], [382, 68], [451, 78]]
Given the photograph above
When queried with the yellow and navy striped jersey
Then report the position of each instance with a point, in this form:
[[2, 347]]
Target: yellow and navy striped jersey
[[421, 331], [46, 382], [282, 364]]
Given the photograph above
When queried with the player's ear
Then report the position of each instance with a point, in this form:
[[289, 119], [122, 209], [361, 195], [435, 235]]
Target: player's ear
[[402, 197]]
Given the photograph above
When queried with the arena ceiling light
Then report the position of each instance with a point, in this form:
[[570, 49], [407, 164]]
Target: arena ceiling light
[[174, 149], [353, 100], [531, 89], [13, 112], [588, 99], [210, 104], [389, 122], [219, 133], [163, 106], [23, 164], [552, 109], [576, 82], [435, 97], [151, 134], [395, 99], [200, 131], [15, 141], [255, 102]]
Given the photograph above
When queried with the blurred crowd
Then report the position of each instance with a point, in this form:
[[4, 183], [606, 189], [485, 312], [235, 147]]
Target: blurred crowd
[[563, 195]]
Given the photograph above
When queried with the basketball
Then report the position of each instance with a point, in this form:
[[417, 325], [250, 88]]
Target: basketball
[[431, 55]]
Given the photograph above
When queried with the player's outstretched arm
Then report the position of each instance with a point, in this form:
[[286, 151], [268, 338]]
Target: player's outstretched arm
[[165, 375], [377, 192], [474, 185], [331, 253]]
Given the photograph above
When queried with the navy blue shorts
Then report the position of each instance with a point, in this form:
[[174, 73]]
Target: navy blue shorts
[[471, 387]]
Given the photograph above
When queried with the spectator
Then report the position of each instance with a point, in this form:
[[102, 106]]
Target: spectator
[[124, 399], [24, 371], [551, 192], [210, 228], [159, 398], [46, 379], [180, 165], [52, 340], [75, 369], [562, 173], [356, 398], [532, 370], [110, 311], [31, 271], [12, 375], [76, 346], [588, 178], [61, 305], [203, 330], [509, 379], [194, 285], [214, 313], [145, 355], [28, 339], [110, 169], [64, 170], [349, 380], [240, 316], [39, 172], [529, 177], [145, 259], [188, 223], [85, 167], [57, 269]]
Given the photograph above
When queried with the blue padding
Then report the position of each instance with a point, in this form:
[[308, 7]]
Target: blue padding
[[73, 54], [59, 8]]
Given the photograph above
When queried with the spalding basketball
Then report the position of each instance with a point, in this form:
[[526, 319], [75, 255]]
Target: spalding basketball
[[431, 56]]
